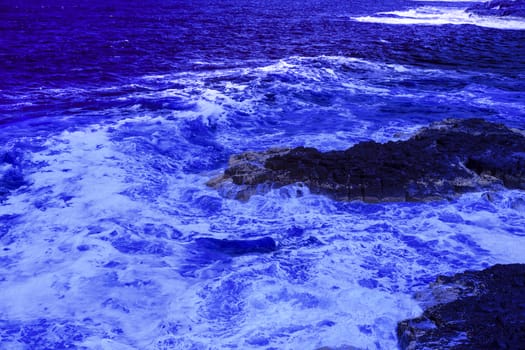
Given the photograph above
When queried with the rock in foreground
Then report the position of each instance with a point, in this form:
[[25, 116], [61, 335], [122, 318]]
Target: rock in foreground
[[477, 310], [445, 159]]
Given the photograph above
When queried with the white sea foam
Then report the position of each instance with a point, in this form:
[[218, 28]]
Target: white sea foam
[[339, 277], [430, 15], [103, 236]]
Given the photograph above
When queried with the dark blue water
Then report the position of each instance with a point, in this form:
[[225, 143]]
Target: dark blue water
[[114, 115]]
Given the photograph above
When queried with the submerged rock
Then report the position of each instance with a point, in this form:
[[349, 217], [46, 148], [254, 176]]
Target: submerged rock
[[475, 310], [206, 251], [441, 161], [513, 8], [11, 175], [235, 247]]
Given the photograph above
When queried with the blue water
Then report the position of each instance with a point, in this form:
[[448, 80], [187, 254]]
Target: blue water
[[115, 114]]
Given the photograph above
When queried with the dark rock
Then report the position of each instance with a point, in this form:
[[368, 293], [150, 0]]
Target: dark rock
[[513, 8], [475, 310], [441, 161]]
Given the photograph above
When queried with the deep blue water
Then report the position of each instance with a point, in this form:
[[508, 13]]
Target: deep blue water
[[115, 114]]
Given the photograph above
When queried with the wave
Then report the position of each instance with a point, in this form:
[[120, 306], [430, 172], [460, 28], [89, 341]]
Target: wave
[[115, 237], [430, 15]]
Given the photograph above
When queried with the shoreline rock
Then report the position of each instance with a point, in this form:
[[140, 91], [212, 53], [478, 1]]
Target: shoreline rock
[[475, 310], [500, 8], [441, 161]]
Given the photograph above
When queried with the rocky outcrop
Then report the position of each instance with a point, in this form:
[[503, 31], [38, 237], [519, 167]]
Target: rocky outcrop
[[513, 8], [475, 310], [445, 159]]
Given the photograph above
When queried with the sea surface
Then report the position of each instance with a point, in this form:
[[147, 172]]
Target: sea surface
[[115, 114]]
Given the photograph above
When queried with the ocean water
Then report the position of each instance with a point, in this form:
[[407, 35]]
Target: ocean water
[[115, 114]]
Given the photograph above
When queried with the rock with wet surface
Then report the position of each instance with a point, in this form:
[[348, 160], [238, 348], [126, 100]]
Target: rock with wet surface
[[471, 310], [441, 161]]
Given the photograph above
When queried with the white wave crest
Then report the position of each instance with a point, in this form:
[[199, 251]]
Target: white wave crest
[[428, 15]]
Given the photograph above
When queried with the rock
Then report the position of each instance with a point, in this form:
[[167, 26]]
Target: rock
[[441, 161], [513, 8], [248, 166], [475, 310]]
